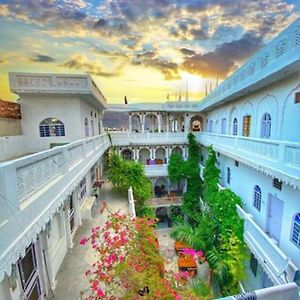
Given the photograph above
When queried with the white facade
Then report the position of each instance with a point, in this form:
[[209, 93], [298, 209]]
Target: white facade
[[42, 195]]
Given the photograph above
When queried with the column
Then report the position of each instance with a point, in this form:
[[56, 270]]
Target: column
[[78, 221], [143, 122], [159, 116], [130, 123], [67, 225], [187, 119], [167, 123]]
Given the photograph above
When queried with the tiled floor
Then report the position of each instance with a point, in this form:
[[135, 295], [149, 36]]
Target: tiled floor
[[70, 278]]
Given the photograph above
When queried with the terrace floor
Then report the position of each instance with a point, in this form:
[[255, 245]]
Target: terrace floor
[[70, 278]]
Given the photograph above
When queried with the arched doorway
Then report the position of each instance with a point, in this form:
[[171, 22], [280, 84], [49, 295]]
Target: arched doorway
[[151, 123], [161, 187], [144, 156], [177, 150], [135, 123], [196, 123], [127, 154], [160, 156]]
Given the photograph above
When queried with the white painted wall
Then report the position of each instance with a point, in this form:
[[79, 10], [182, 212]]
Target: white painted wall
[[276, 99]]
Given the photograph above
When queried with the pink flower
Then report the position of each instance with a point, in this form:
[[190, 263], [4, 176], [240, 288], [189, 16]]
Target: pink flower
[[178, 297], [100, 293], [83, 241]]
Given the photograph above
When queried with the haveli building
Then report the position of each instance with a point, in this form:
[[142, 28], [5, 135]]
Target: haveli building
[[252, 120]]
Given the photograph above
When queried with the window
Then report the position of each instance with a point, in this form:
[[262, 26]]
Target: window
[[253, 264], [52, 127], [86, 127], [92, 126], [223, 126], [296, 230], [210, 126], [277, 183], [257, 198], [228, 175], [235, 126], [266, 126], [246, 125]]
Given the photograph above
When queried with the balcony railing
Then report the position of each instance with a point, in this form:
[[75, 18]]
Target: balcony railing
[[165, 201], [147, 138], [274, 262], [277, 158], [156, 170]]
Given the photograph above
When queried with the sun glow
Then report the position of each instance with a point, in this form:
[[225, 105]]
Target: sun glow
[[192, 83]]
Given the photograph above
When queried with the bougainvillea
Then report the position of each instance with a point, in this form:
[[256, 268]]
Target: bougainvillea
[[129, 264]]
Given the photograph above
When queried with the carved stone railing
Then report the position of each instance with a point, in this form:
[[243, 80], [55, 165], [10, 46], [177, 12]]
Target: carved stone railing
[[275, 263], [279, 159], [165, 201], [33, 172], [27, 83], [148, 138], [280, 53], [156, 170]]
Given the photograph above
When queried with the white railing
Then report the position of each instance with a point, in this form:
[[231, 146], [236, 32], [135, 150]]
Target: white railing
[[55, 84], [279, 157], [156, 170], [273, 260], [165, 201], [283, 51], [148, 138], [28, 174]]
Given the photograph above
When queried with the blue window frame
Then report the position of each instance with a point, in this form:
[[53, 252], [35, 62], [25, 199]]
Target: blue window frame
[[228, 177], [235, 126], [296, 230], [257, 198], [266, 126], [52, 127]]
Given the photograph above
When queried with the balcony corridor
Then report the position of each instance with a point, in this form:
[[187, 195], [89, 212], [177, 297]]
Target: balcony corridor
[[70, 278]]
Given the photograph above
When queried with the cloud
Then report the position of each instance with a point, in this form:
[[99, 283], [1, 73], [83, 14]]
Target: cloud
[[77, 3], [80, 62], [42, 58], [187, 52], [110, 53], [225, 58]]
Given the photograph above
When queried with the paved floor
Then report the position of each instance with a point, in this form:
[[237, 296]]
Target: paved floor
[[70, 278]]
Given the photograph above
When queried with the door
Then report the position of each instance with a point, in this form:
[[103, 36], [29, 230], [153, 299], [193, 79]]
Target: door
[[266, 281], [275, 212]]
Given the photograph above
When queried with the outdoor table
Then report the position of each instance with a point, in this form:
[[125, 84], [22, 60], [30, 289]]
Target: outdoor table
[[187, 263]]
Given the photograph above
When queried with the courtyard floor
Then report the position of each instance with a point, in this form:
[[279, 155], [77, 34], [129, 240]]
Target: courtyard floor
[[70, 278]]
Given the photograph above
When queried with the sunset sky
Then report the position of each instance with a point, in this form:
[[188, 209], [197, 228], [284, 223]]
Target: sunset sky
[[145, 49]]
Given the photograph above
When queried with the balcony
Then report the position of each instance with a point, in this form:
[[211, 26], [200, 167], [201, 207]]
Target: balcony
[[59, 84], [156, 170], [273, 157], [148, 138], [32, 188], [165, 201], [274, 262]]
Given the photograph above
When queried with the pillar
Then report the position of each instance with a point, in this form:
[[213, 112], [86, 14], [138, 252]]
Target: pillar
[[67, 225], [77, 212], [159, 116], [130, 123], [143, 122]]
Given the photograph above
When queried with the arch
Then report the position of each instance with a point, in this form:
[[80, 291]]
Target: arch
[[177, 150], [151, 122], [144, 156], [177, 187], [160, 156], [161, 187], [161, 213], [257, 197], [135, 123], [51, 127], [127, 154], [86, 127], [235, 126], [295, 234], [265, 131], [196, 123]]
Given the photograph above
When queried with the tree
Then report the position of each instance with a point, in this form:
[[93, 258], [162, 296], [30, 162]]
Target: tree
[[124, 174]]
